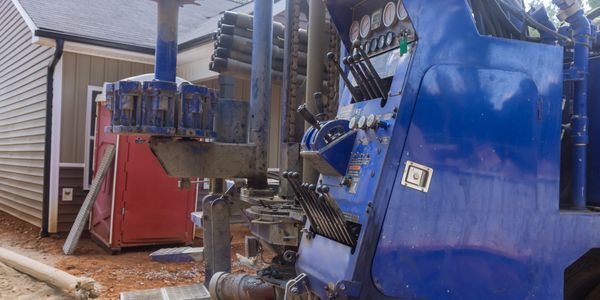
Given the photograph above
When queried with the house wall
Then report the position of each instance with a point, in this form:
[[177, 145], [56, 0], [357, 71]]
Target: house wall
[[79, 72], [242, 92], [23, 68]]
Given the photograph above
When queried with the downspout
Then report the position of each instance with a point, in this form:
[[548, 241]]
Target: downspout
[[571, 12], [260, 89], [48, 137]]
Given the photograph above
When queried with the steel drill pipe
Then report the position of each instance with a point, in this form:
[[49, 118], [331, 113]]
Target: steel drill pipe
[[260, 89], [225, 286], [314, 69], [245, 21], [240, 43], [165, 67], [241, 70], [226, 53]]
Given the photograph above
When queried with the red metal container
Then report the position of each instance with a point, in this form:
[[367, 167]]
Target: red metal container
[[138, 204]]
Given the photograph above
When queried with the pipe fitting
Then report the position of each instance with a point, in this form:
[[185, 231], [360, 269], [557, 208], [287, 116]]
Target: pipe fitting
[[226, 286]]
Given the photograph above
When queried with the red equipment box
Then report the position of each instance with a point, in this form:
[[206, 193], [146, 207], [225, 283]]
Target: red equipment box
[[138, 204]]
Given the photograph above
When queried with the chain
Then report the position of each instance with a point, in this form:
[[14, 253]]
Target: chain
[[293, 96], [331, 101]]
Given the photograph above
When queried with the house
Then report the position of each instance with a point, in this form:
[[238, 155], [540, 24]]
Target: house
[[54, 58]]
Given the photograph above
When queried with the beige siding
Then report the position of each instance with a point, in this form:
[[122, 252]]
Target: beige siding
[[79, 72], [242, 92], [23, 68]]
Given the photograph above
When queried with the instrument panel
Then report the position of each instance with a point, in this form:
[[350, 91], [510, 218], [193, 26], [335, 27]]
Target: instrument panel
[[380, 26]]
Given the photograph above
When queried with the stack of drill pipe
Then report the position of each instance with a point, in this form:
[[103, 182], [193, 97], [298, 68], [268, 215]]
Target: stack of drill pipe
[[233, 48]]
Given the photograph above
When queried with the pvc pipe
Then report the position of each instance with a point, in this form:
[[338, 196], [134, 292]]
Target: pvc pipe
[[80, 286], [260, 87], [165, 66]]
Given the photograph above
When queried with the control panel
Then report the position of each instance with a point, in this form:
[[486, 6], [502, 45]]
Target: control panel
[[380, 28]]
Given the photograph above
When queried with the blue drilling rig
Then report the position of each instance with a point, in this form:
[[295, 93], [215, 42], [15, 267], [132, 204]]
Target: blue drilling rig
[[462, 162]]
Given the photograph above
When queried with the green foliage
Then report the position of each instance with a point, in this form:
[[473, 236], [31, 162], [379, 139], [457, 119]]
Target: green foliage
[[594, 3]]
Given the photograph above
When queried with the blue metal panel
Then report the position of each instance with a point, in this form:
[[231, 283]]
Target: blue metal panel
[[485, 114], [594, 123]]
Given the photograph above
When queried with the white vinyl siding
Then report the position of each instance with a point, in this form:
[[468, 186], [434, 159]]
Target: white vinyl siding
[[23, 68]]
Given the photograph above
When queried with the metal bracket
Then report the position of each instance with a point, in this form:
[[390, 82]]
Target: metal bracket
[[417, 176], [296, 286], [347, 289]]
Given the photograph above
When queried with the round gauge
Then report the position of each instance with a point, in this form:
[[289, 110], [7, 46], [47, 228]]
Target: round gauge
[[354, 31], [389, 14], [374, 45], [362, 122], [353, 124], [381, 42], [402, 14], [365, 26], [366, 47], [389, 38], [371, 121]]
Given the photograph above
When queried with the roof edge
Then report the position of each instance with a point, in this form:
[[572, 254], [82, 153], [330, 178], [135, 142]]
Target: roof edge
[[47, 33], [193, 43], [25, 16]]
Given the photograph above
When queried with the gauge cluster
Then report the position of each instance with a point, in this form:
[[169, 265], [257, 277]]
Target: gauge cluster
[[380, 25]]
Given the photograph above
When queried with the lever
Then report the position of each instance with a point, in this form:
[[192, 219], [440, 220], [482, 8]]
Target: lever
[[309, 117], [372, 70], [320, 107], [359, 80], [366, 76], [355, 94]]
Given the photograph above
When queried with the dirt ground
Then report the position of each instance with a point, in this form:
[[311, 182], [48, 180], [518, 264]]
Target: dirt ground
[[132, 269]]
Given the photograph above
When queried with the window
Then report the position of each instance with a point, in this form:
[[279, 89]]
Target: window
[[90, 134]]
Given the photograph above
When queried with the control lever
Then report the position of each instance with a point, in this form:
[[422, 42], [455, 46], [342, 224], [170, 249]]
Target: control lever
[[355, 93], [311, 119], [320, 107], [366, 76], [362, 85], [372, 70]]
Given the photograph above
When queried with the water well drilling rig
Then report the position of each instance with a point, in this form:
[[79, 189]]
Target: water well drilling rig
[[462, 163]]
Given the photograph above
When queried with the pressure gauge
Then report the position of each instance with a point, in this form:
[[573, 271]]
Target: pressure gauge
[[389, 38], [354, 31], [365, 26], [376, 20], [389, 14], [374, 45], [381, 42], [402, 14], [366, 47], [362, 122]]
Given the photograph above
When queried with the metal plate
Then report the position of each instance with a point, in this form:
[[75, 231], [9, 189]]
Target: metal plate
[[187, 292], [417, 176]]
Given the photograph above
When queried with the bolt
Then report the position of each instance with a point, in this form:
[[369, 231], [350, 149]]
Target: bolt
[[294, 290]]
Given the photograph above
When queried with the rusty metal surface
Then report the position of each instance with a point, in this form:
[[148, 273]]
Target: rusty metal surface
[[191, 158]]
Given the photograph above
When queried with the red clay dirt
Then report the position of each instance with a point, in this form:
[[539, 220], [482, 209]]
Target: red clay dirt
[[130, 270]]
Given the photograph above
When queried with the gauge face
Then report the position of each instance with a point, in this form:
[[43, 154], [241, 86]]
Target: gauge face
[[354, 31], [365, 26], [389, 14], [366, 47], [374, 45], [381, 42], [389, 38], [376, 20], [402, 14]]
